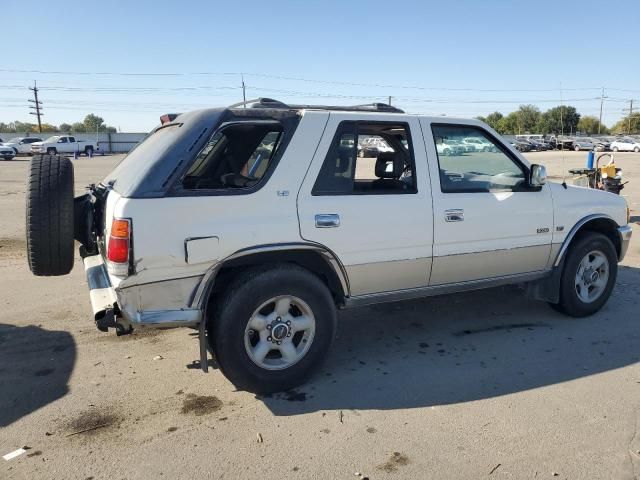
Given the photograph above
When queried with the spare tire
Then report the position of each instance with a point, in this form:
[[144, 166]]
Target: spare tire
[[49, 226]]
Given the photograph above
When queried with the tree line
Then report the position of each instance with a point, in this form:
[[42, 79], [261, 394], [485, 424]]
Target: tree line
[[90, 124], [564, 120]]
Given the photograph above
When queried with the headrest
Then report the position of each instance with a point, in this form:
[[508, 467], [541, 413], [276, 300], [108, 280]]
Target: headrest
[[389, 165], [344, 159]]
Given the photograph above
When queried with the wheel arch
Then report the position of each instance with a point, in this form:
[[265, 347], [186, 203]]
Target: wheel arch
[[314, 257], [599, 223]]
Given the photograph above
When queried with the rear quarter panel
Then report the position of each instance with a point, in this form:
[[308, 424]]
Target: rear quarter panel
[[162, 225]]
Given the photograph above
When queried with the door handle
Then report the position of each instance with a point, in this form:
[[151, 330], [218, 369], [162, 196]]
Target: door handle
[[454, 215], [327, 220]]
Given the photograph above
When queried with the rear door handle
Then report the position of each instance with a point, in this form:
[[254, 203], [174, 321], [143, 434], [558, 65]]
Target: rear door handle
[[327, 220], [454, 215]]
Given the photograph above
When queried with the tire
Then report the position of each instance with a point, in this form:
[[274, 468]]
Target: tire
[[636, 149], [8, 158], [576, 148], [51, 151], [49, 222], [587, 244], [615, 149], [231, 336], [88, 151]]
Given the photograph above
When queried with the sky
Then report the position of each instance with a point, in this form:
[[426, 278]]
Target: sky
[[132, 61]]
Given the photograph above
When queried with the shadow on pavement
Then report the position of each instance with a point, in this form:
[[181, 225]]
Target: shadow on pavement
[[35, 366], [466, 347]]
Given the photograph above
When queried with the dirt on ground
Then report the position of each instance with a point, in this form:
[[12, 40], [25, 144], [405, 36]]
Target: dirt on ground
[[480, 384]]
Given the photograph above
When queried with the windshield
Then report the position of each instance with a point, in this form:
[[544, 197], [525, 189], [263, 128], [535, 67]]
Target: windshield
[[14, 140], [52, 139]]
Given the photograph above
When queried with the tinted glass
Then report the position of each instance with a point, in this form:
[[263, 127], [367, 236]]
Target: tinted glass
[[484, 167]]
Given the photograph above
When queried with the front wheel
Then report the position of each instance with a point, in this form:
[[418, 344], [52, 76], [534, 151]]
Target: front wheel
[[589, 275], [272, 328], [51, 151], [576, 148], [637, 149], [615, 149]]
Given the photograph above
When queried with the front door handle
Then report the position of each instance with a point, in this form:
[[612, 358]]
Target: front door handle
[[454, 215], [327, 220]]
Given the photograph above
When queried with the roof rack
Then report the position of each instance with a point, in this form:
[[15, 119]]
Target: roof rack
[[271, 103]]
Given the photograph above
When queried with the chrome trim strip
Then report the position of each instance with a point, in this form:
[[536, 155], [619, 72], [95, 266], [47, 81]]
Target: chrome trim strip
[[206, 283], [574, 230], [168, 318], [625, 233], [398, 295]]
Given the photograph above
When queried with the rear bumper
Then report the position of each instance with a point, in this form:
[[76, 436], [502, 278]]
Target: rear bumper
[[123, 308], [625, 233]]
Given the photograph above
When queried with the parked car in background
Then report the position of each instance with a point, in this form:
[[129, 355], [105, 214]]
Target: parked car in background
[[583, 144], [520, 145], [7, 153], [625, 145], [479, 144], [62, 144], [601, 143], [21, 144], [370, 147]]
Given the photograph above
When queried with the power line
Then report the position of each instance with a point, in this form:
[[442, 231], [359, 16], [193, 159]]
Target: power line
[[284, 77]]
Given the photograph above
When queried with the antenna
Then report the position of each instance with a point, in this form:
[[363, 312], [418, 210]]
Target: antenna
[[564, 169]]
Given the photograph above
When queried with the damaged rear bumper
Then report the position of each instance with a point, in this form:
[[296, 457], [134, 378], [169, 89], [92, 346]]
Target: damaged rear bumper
[[123, 308]]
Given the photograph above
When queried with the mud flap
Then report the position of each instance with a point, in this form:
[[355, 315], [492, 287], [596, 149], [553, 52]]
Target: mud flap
[[547, 289], [202, 338]]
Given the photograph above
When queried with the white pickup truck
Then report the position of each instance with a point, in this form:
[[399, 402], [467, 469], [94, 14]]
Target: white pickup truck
[[62, 144], [255, 225]]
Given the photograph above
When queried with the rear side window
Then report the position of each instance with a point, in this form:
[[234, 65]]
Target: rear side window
[[368, 158], [235, 157]]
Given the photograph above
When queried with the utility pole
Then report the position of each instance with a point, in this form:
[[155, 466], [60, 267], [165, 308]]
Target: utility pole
[[37, 105], [601, 102], [390, 97], [244, 92], [629, 118]]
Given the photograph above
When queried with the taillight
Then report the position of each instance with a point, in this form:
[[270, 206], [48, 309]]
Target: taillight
[[119, 246]]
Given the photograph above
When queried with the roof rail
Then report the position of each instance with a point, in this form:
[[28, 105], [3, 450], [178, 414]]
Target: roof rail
[[271, 103]]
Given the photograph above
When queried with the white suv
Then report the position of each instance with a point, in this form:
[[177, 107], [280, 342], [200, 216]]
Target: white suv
[[255, 225]]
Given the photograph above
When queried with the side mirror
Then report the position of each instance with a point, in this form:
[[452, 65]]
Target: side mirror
[[538, 175]]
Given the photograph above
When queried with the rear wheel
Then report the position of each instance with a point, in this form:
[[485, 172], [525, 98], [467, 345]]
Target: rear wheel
[[589, 275], [49, 221], [576, 148], [615, 149], [272, 328], [88, 151], [637, 149]]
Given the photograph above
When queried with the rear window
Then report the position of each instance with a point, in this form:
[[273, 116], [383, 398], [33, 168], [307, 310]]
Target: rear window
[[141, 158]]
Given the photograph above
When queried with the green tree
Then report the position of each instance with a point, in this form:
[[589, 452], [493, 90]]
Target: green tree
[[493, 119], [78, 127], [508, 125], [24, 127], [561, 119], [629, 124], [92, 122], [64, 128], [528, 118], [591, 125], [47, 127]]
